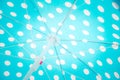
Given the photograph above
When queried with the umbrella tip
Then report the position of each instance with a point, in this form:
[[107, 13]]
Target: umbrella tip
[[41, 62], [52, 39]]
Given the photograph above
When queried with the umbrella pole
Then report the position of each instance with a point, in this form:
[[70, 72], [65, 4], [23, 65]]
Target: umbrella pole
[[52, 40]]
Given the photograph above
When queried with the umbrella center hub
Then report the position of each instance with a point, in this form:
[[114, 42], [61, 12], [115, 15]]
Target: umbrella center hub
[[52, 39]]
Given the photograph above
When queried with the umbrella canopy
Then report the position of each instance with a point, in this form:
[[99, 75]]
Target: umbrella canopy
[[59, 40]]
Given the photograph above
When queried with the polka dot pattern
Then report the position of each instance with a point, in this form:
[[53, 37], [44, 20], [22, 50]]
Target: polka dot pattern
[[87, 30]]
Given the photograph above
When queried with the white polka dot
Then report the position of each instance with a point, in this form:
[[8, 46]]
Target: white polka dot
[[40, 72], [24, 5], [10, 4], [86, 23], [115, 5], [71, 36], [74, 43], [0, 16], [115, 45], [101, 29], [86, 71], [60, 32], [26, 16], [20, 44], [115, 27], [98, 77], [11, 39], [6, 73], [115, 17], [90, 64], [32, 56], [56, 77], [51, 52], [119, 59], [53, 29], [74, 7], [7, 63], [74, 66], [91, 51], [100, 8], [62, 51], [100, 38], [2, 44], [29, 27], [51, 15], [116, 75], [59, 10], [7, 52], [49, 67], [39, 36], [57, 62], [85, 32], [84, 40], [40, 4], [60, 24], [82, 53], [100, 19], [28, 40], [20, 64], [116, 36], [48, 1], [41, 18], [13, 14], [32, 78], [72, 17], [1, 31], [20, 33], [65, 46], [73, 77], [107, 75], [9, 25], [109, 61], [68, 4], [99, 62], [102, 48], [87, 2], [72, 27], [19, 74], [20, 54], [62, 62], [86, 12], [42, 28], [1, 11]]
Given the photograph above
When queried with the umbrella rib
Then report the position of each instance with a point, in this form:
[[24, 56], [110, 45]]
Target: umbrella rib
[[16, 39], [16, 57], [21, 23], [28, 19], [49, 57], [66, 72], [40, 14], [81, 4], [66, 16], [59, 62], [31, 32], [46, 72], [12, 45], [80, 60], [91, 41]]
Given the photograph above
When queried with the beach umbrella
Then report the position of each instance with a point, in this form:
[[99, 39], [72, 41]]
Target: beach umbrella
[[59, 40]]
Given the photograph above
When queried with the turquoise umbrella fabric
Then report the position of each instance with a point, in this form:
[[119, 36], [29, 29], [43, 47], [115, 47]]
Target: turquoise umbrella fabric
[[59, 40]]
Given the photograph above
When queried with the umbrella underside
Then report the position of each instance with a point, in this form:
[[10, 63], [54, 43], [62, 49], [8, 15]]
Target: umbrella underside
[[59, 40]]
